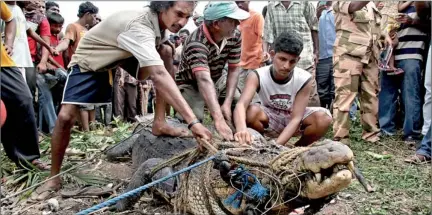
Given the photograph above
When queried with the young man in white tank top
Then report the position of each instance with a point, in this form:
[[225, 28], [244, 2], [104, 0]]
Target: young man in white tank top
[[284, 91]]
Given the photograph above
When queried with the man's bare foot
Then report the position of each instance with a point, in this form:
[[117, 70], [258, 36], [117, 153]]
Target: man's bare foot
[[47, 190], [163, 129]]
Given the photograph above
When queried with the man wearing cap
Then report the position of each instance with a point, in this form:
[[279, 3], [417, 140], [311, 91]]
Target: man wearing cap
[[205, 53]]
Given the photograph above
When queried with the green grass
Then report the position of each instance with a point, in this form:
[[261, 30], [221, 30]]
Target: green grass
[[401, 188]]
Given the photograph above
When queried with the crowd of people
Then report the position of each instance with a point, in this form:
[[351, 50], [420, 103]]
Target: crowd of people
[[295, 69]]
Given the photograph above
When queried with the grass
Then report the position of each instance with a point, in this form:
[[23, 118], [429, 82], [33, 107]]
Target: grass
[[401, 188]]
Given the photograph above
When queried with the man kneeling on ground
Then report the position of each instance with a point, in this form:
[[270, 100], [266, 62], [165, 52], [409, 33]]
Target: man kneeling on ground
[[206, 51], [284, 91]]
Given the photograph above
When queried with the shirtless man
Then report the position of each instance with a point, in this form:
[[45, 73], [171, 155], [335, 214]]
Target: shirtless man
[[132, 36], [284, 91]]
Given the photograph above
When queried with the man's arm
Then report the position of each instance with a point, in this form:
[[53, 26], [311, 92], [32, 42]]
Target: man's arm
[[232, 77], [312, 21], [41, 41], [10, 28], [315, 45], [63, 45], [231, 86], [54, 62], [207, 89], [299, 107], [268, 30], [45, 33], [246, 97], [403, 5], [356, 5], [69, 37], [259, 30]]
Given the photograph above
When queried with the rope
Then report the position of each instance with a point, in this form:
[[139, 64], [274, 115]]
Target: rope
[[142, 188]]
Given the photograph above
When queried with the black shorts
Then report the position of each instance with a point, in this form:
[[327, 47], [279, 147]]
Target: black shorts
[[87, 88]]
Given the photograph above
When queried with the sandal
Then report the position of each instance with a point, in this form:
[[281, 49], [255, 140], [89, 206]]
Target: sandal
[[418, 159], [43, 193]]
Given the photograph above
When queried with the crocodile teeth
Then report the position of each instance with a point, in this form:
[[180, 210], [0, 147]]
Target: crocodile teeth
[[318, 177]]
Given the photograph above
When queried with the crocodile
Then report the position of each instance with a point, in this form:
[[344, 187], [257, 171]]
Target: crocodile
[[260, 178]]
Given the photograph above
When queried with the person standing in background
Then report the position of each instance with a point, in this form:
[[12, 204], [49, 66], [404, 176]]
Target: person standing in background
[[19, 135], [324, 73], [252, 45], [297, 16], [409, 51], [355, 63], [87, 13]]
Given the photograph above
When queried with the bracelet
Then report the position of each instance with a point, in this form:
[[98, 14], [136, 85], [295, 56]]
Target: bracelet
[[193, 123]]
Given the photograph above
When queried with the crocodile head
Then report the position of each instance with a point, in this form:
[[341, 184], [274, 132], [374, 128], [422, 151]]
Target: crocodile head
[[323, 169]]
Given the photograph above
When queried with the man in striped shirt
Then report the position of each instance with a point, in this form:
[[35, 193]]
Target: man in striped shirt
[[205, 53], [409, 52]]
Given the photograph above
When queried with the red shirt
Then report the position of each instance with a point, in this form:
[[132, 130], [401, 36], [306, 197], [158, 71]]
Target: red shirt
[[43, 30], [54, 42]]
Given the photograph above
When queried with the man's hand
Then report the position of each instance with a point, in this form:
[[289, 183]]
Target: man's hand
[[53, 51], [316, 56], [9, 50], [243, 137], [199, 131], [224, 130], [388, 41], [42, 68], [226, 112], [404, 19]]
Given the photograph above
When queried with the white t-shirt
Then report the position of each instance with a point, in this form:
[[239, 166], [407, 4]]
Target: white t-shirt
[[21, 55], [280, 96]]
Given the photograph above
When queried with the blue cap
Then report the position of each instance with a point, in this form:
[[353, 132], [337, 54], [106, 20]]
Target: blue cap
[[218, 10]]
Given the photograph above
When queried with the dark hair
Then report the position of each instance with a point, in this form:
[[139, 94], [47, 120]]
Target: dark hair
[[184, 31], [87, 7], [289, 42], [50, 4], [160, 6], [55, 18], [264, 11]]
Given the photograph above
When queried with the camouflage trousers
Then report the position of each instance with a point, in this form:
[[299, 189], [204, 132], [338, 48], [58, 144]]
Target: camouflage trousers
[[314, 100], [352, 77]]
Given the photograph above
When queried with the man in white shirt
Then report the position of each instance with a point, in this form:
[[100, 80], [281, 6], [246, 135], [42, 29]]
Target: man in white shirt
[[284, 91]]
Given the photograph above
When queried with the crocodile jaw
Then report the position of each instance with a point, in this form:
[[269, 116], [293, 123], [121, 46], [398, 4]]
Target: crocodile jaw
[[338, 181]]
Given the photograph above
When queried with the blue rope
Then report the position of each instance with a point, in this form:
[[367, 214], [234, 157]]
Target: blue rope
[[142, 188], [256, 190]]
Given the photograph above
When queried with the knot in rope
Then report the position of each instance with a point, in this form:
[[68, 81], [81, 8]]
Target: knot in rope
[[246, 181]]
